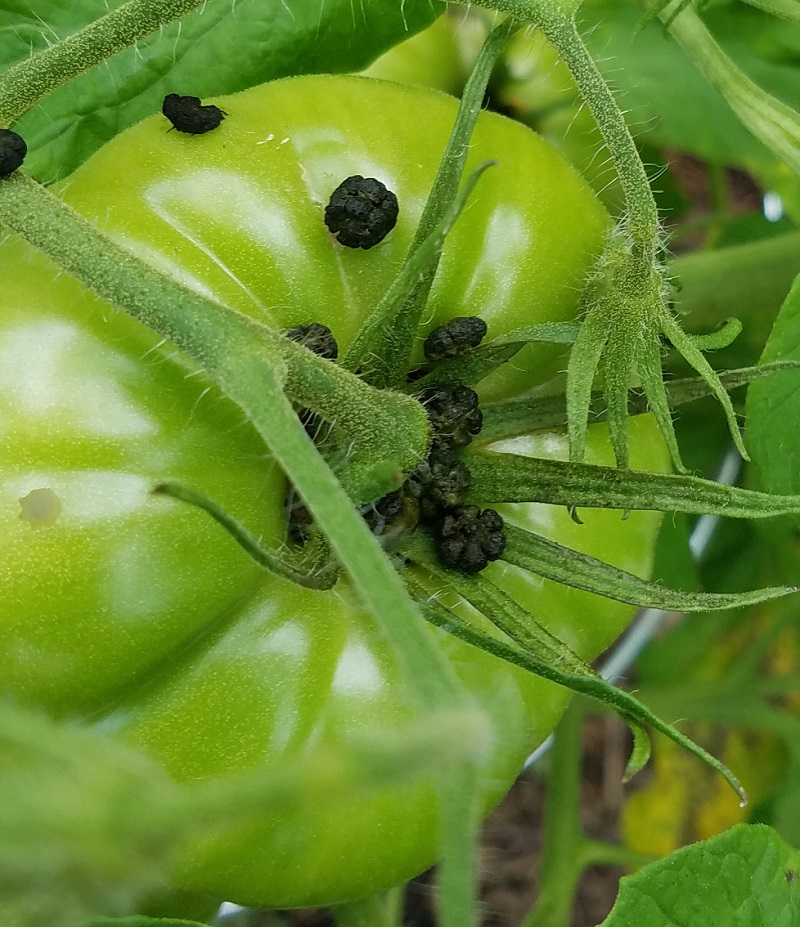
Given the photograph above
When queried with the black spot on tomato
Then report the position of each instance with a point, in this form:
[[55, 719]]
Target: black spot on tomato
[[188, 114], [12, 151], [361, 212]]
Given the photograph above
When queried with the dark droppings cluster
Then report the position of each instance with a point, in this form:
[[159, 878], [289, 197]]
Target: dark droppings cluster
[[189, 115], [361, 212], [454, 415], [455, 338], [468, 538]]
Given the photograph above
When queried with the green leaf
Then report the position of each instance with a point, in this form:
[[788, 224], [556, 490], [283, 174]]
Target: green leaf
[[637, 63], [773, 405], [746, 877], [563, 565], [221, 48]]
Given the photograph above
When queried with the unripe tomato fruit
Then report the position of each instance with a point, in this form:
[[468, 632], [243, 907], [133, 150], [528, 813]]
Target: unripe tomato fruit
[[138, 614]]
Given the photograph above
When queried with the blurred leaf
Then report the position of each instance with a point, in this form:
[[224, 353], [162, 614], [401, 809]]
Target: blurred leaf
[[220, 48], [86, 824], [655, 80], [773, 406], [782, 810], [784, 9], [746, 877]]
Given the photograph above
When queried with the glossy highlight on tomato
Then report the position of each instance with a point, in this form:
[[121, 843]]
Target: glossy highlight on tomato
[[137, 614]]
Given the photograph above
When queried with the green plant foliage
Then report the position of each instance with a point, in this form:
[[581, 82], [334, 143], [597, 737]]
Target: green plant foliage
[[746, 877], [766, 50], [220, 48], [774, 405]]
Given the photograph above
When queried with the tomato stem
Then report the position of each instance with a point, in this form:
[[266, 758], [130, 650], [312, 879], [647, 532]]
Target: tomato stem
[[24, 84], [769, 119], [562, 860]]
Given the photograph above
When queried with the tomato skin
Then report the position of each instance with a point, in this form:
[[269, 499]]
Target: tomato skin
[[137, 613]]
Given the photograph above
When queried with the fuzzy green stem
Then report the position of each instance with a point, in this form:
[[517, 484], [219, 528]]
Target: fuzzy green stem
[[25, 83], [558, 25], [459, 829]]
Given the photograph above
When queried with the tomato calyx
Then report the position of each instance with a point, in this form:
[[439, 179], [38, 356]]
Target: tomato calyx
[[432, 494]]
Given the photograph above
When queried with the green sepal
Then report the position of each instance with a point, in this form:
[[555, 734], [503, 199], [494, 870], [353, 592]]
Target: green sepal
[[583, 680], [684, 344], [390, 333], [513, 478], [497, 606], [583, 362], [640, 753], [549, 413], [561, 564], [421, 261], [652, 379]]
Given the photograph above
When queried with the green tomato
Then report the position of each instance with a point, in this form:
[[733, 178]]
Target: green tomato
[[137, 614]]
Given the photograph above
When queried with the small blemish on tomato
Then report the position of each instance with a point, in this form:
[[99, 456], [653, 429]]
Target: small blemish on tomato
[[40, 508]]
